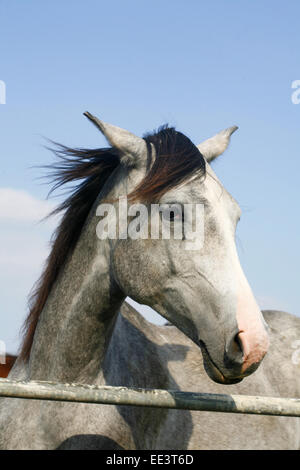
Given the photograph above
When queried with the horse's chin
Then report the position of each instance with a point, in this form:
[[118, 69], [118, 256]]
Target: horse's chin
[[214, 373]]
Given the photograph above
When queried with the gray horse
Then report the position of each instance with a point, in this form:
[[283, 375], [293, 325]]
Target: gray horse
[[80, 330]]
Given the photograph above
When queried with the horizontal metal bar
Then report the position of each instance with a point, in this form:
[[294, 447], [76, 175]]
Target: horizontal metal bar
[[150, 397]]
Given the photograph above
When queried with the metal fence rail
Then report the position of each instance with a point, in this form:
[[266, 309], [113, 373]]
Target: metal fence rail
[[150, 397]]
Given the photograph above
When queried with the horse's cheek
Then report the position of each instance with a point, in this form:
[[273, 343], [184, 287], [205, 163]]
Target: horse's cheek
[[141, 273]]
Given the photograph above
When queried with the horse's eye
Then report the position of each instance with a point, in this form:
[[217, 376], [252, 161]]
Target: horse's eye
[[172, 214]]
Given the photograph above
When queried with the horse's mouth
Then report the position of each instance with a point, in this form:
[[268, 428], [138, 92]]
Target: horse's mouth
[[213, 371]]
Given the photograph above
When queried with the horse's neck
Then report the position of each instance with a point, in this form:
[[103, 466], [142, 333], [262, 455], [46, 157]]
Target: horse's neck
[[77, 320]]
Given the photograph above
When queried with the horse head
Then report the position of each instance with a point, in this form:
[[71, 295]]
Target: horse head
[[202, 291]]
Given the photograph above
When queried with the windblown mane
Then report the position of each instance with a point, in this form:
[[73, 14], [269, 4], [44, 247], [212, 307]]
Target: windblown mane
[[176, 159]]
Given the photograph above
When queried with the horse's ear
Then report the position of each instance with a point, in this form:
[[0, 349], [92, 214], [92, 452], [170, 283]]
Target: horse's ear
[[133, 149], [216, 145]]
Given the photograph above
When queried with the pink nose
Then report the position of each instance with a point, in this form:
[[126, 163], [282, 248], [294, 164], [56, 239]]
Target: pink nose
[[253, 346], [252, 336]]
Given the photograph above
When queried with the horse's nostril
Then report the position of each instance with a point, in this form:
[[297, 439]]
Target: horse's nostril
[[234, 351], [238, 342]]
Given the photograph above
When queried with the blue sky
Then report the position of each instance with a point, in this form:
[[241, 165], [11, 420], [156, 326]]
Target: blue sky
[[200, 66]]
